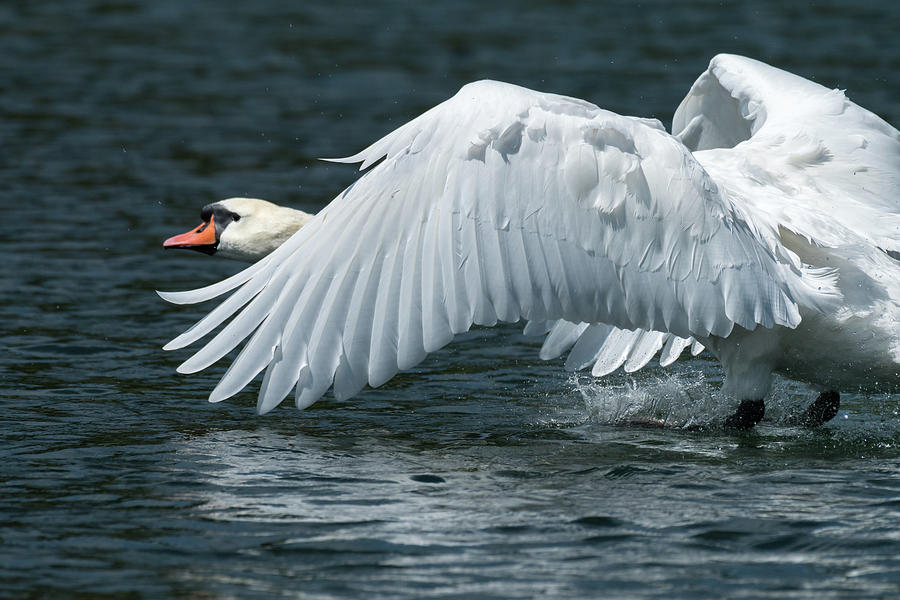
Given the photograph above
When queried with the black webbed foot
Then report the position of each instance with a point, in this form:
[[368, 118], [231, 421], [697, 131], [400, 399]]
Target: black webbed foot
[[823, 409], [747, 415]]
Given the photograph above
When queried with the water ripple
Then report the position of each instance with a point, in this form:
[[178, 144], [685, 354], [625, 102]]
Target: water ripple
[[483, 472]]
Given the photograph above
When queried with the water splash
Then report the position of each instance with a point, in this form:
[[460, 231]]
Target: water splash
[[680, 399]]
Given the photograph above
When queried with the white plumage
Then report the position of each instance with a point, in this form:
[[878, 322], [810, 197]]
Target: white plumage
[[759, 231]]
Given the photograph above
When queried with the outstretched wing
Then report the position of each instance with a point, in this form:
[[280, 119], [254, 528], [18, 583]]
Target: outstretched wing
[[501, 203], [795, 154]]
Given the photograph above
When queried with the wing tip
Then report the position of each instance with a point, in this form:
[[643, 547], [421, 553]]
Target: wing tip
[[264, 408], [186, 368], [173, 297], [343, 159]]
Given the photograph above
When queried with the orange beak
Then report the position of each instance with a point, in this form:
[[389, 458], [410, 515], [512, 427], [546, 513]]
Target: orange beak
[[204, 235]]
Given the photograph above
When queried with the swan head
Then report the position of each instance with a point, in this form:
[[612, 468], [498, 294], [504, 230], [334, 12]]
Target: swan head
[[241, 228]]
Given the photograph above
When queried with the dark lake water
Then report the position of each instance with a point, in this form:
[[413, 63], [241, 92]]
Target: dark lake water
[[483, 473]]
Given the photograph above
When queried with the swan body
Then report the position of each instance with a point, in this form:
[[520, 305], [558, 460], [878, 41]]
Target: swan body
[[764, 230], [825, 174]]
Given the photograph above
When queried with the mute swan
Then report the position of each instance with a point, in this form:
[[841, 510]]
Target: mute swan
[[766, 230]]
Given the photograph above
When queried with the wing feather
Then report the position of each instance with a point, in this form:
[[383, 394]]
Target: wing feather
[[648, 345], [410, 346], [673, 348], [245, 323], [587, 349], [217, 289], [615, 351], [562, 336], [352, 372], [436, 330], [383, 349], [218, 315]]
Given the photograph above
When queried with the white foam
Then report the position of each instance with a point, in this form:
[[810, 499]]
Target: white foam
[[685, 399]]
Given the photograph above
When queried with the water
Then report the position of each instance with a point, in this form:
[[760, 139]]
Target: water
[[482, 473]]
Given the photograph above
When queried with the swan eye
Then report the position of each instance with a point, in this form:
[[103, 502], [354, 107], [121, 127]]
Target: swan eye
[[235, 217]]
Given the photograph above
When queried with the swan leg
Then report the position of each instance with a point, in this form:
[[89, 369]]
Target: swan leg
[[747, 415], [823, 409], [749, 359]]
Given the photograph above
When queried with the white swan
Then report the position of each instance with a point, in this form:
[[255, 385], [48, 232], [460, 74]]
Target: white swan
[[766, 230]]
